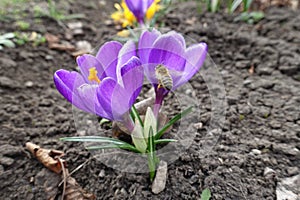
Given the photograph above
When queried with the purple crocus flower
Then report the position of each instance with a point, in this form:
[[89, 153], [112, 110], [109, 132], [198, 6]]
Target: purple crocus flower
[[108, 84], [170, 51], [139, 8]]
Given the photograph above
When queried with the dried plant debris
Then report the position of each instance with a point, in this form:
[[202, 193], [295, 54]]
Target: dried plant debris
[[50, 182], [74, 191], [54, 42], [49, 158]]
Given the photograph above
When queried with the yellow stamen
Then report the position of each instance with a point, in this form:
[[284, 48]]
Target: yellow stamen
[[125, 17], [155, 7], [93, 75], [124, 33]]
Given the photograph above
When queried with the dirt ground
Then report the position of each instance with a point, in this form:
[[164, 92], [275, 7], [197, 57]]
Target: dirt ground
[[260, 67]]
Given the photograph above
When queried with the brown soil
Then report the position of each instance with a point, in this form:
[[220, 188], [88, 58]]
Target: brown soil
[[262, 127]]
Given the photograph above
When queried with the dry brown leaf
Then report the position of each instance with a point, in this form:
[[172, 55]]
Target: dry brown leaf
[[49, 158], [74, 191], [51, 38], [191, 21], [52, 160], [62, 47]]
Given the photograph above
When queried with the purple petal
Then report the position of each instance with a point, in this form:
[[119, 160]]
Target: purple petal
[[67, 83], [126, 53], [139, 8], [133, 78], [167, 50], [146, 42], [88, 95], [104, 95], [178, 36], [86, 62], [116, 99], [108, 57], [195, 56]]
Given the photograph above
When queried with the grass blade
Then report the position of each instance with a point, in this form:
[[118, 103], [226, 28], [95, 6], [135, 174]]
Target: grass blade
[[214, 5], [93, 139], [136, 115], [172, 121], [235, 5], [247, 4], [161, 141], [113, 146]]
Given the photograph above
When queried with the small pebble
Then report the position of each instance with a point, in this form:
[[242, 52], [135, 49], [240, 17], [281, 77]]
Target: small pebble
[[292, 170], [102, 173], [198, 125], [268, 171], [160, 179], [256, 151], [29, 84]]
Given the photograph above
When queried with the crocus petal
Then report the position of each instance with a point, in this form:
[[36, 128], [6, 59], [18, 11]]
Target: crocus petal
[[104, 95], [108, 57], [88, 95], [145, 44], [116, 99], [67, 83], [178, 36], [168, 51], [195, 56], [133, 78], [86, 62], [139, 8], [126, 53]]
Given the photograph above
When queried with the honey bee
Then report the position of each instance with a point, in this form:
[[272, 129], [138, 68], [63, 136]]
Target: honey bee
[[163, 76]]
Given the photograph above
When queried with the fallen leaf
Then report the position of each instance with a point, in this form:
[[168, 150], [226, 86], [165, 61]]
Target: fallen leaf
[[49, 158], [74, 191], [191, 21], [51, 38], [50, 181], [62, 47]]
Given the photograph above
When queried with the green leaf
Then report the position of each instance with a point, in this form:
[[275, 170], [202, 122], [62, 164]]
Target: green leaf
[[150, 121], [205, 195], [137, 137], [73, 16], [172, 121], [93, 139], [151, 154], [247, 4], [114, 146], [161, 141], [214, 5], [257, 16], [235, 5], [7, 36], [112, 143], [136, 115], [7, 43]]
